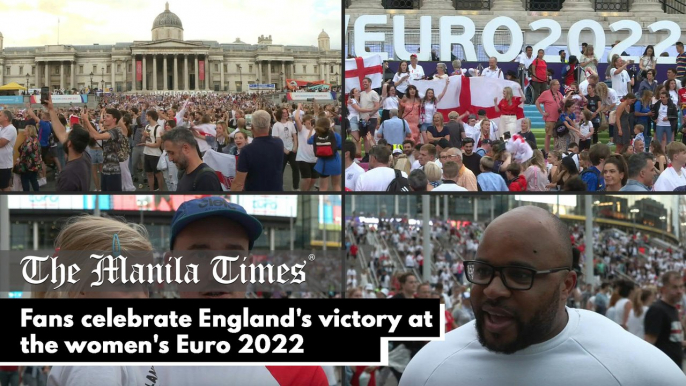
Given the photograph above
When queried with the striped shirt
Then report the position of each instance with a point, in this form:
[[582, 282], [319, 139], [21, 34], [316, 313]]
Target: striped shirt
[[681, 65]]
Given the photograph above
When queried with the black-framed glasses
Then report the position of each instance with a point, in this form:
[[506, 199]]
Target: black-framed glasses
[[513, 277]]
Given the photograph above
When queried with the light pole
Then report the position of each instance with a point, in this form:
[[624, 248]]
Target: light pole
[[27, 84], [102, 81], [240, 74], [634, 212], [283, 81], [91, 81]]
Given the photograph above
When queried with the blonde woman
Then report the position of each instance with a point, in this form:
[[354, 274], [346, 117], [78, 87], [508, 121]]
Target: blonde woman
[[536, 173], [403, 164], [441, 71], [433, 174], [508, 113], [588, 63], [438, 130], [30, 161]]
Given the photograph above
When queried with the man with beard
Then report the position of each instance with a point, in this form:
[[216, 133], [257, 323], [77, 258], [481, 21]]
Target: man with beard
[[662, 325], [470, 159], [182, 149], [523, 334], [408, 149]]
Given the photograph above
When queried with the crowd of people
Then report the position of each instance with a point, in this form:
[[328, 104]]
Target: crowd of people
[[643, 116], [637, 283], [208, 142]]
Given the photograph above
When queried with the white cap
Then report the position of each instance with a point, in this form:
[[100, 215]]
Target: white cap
[[369, 287], [384, 291]]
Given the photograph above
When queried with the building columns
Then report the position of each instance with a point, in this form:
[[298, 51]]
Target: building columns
[[164, 73], [175, 78], [269, 72], [113, 67], [73, 73], [185, 72], [207, 73], [38, 75], [133, 73], [221, 75], [154, 72], [62, 75], [197, 74], [145, 74]]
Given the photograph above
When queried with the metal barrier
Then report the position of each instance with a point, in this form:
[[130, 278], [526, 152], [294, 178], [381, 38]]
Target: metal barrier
[[402, 4], [612, 5], [673, 6], [472, 5], [544, 5]]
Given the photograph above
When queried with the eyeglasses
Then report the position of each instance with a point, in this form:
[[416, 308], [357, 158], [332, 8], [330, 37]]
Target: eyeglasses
[[513, 277], [447, 156]]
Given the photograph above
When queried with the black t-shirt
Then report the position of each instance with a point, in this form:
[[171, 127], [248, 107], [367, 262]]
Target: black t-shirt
[[263, 161], [662, 320], [434, 131], [529, 136], [593, 105], [455, 129], [76, 175], [472, 162], [206, 181]]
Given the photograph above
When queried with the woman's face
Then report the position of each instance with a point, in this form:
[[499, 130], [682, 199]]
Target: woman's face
[[440, 70], [672, 85], [220, 130], [437, 120], [357, 93], [649, 51], [612, 175], [429, 94], [525, 126], [412, 91], [630, 150], [391, 91], [240, 140], [591, 90], [403, 67]]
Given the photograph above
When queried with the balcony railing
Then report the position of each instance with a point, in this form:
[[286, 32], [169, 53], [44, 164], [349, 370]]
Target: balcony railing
[[402, 4], [673, 6], [544, 5], [612, 5], [472, 5]]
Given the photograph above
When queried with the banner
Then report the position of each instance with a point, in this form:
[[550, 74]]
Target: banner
[[56, 99], [472, 94], [202, 70], [359, 68], [293, 84], [268, 87], [139, 70], [12, 100], [319, 87], [306, 96]]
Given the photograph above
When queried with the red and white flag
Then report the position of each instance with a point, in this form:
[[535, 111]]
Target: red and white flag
[[224, 166], [359, 68], [473, 94]]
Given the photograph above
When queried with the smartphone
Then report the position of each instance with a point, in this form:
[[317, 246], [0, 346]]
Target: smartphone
[[44, 95], [507, 135]]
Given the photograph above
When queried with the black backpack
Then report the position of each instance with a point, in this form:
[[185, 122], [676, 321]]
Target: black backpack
[[561, 129], [399, 183], [205, 169]]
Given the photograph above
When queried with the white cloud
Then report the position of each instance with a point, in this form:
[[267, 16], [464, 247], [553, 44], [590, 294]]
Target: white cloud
[[290, 22]]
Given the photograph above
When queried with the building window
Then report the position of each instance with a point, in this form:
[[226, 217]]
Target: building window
[[238, 67], [305, 68], [7, 70], [226, 68], [81, 69], [95, 69], [33, 70], [316, 68], [250, 68], [331, 70], [108, 68], [21, 70], [293, 72], [216, 67], [130, 67], [118, 67], [57, 70]]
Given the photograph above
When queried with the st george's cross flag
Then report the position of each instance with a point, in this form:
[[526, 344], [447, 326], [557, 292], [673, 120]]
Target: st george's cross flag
[[357, 69], [473, 94]]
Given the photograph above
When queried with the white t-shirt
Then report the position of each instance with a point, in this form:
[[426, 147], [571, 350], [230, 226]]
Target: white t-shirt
[[305, 151], [180, 375], [585, 128], [285, 131], [619, 82], [352, 113], [583, 87], [607, 353], [390, 103], [675, 97], [662, 114], [416, 73], [525, 60], [376, 180], [635, 324], [367, 101], [670, 180], [415, 165], [352, 173], [9, 133], [472, 132], [449, 188], [429, 110], [402, 86], [612, 99], [497, 73], [153, 151]]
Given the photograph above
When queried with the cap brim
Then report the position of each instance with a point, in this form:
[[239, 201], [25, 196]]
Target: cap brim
[[252, 226]]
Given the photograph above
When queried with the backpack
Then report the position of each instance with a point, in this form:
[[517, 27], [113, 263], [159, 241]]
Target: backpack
[[325, 147], [121, 147], [154, 137], [399, 183], [561, 129], [595, 172]]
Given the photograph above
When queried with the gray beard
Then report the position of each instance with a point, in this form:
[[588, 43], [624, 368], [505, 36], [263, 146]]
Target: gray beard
[[534, 332]]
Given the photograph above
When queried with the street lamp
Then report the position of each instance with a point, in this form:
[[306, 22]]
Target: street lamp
[[103, 79], [634, 211], [27, 84], [283, 81], [240, 74], [91, 81]]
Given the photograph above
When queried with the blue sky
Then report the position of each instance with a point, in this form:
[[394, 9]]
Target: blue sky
[[289, 22]]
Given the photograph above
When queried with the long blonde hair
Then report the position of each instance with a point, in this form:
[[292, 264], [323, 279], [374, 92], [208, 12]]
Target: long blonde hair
[[432, 171], [508, 94], [93, 233], [403, 164]]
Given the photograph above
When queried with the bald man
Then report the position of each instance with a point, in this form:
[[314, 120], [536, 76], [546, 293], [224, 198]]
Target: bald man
[[523, 333]]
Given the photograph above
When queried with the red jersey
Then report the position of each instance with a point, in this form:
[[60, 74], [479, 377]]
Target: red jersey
[[518, 184], [682, 96], [540, 71], [73, 120]]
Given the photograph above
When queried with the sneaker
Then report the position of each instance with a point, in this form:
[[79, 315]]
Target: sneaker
[[140, 186], [610, 143]]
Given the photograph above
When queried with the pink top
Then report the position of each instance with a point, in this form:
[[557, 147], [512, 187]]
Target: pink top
[[551, 105]]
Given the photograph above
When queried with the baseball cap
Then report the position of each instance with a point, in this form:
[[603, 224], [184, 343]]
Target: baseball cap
[[384, 291], [413, 56], [397, 151], [472, 116], [369, 287], [194, 210]]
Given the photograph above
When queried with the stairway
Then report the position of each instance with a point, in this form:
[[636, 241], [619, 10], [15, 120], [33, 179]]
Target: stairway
[[538, 126]]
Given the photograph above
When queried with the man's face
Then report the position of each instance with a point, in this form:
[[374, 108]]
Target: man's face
[[413, 60], [468, 148], [673, 291], [679, 158], [424, 291], [491, 62], [671, 75], [529, 51], [109, 121], [650, 76], [574, 150], [648, 173], [176, 155], [366, 84], [510, 320], [407, 149], [679, 49], [640, 147], [212, 234], [563, 55], [424, 157], [410, 285]]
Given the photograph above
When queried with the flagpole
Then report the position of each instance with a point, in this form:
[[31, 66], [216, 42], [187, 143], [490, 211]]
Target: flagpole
[[58, 31]]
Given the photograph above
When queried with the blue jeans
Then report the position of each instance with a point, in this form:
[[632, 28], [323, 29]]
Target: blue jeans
[[29, 178], [661, 131]]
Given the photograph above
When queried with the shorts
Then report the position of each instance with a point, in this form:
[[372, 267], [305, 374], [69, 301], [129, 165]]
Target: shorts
[[423, 127], [5, 178], [44, 150], [96, 155], [368, 126], [307, 170], [661, 131], [549, 127], [354, 124], [150, 163]]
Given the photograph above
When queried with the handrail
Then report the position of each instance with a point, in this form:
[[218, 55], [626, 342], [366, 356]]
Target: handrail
[[672, 9]]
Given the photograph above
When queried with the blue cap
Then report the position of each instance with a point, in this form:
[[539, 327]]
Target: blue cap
[[194, 210]]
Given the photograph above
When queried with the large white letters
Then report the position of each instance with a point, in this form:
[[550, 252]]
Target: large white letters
[[465, 40]]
